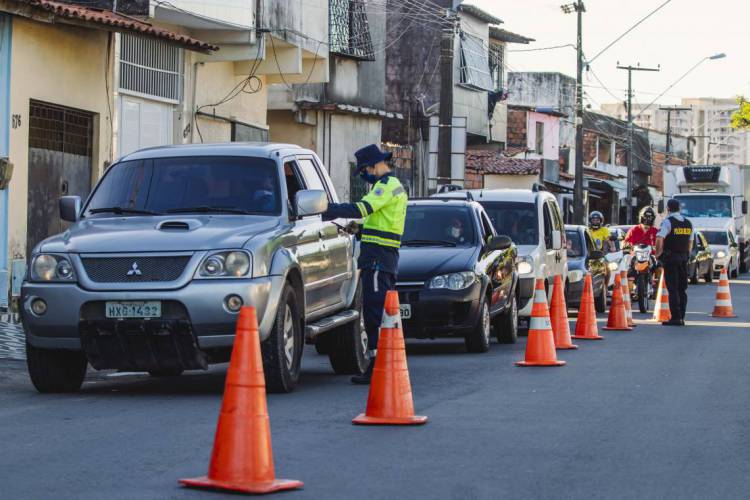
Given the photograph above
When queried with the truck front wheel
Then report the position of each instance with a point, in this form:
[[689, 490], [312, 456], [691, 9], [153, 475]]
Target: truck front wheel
[[54, 371], [282, 350], [347, 344]]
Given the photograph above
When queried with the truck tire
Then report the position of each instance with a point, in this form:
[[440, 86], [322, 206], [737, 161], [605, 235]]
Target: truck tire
[[282, 350], [506, 324], [478, 340], [54, 371], [348, 343]]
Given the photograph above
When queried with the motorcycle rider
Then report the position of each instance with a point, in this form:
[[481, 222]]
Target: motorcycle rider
[[645, 232], [599, 233]]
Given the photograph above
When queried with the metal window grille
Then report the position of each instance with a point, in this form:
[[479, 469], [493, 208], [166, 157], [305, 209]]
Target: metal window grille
[[475, 67], [150, 67], [350, 30], [497, 65], [57, 128]]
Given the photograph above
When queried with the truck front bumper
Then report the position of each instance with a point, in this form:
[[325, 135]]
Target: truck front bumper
[[197, 309]]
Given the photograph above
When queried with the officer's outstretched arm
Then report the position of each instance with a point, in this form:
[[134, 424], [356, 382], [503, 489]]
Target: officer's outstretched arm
[[342, 211]]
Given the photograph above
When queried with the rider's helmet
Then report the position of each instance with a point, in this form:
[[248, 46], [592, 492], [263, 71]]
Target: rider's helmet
[[596, 219], [647, 216]]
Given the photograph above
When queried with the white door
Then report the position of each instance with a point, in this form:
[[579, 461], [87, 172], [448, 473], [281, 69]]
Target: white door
[[144, 124]]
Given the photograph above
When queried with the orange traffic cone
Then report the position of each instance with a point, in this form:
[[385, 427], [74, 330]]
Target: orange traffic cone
[[661, 309], [559, 317], [540, 346], [617, 319], [242, 459], [723, 307], [626, 298], [390, 400], [586, 322]]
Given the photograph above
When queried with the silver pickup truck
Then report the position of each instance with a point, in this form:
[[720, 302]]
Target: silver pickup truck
[[169, 246]]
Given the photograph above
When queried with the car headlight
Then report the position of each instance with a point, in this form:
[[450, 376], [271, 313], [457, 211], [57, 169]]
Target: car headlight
[[229, 264], [721, 254], [52, 267], [575, 276], [525, 264], [613, 266], [453, 281]]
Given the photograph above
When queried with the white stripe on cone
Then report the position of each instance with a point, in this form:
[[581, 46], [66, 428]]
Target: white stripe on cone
[[542, 323]]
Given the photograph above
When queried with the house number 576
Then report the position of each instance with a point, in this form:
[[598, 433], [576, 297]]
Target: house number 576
[[15, 121]]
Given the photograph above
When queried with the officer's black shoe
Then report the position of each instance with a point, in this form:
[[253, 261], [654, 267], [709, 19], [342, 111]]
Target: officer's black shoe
[[673, 322], [365, 378]]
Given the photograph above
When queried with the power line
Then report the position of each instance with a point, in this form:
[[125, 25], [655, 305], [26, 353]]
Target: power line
[[628, 31]]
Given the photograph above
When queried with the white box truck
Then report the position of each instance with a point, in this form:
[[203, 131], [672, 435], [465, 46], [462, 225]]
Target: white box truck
[[712, 197]]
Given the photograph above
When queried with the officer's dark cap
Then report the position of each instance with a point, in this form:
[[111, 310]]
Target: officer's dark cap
[[369, 156], [673, 205]]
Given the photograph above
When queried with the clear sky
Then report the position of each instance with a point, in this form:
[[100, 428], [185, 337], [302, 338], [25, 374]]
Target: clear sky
[[676, 37]]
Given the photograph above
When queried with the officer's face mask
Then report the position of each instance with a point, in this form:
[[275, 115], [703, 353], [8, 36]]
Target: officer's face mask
[[367, 177], [456, 232]]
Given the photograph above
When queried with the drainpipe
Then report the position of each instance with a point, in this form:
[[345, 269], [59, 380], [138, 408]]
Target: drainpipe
[[193, 108]]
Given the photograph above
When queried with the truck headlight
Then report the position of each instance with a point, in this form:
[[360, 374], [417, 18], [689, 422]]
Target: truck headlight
[[227, 264], [525, 264], [52, 267], [613, 266], [453, 281], [575, 276]]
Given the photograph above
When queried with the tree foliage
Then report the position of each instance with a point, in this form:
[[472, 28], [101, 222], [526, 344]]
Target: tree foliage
[[741, 117]]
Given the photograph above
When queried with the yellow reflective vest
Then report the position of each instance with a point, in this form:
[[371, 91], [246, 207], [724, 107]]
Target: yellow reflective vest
[[384, 211]]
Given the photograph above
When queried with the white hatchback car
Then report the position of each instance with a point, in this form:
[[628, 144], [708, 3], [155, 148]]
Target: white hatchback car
[[533, 220], [724, 247]]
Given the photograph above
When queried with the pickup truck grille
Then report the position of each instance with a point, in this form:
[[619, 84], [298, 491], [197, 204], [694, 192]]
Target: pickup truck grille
[[137, 269]]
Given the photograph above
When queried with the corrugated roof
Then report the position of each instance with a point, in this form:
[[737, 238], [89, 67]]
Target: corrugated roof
[[480, 14], [494, 162], [113, 21], [497, 33]]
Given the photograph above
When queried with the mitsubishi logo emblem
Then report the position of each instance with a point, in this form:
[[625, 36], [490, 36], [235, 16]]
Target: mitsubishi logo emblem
[[134, 271]]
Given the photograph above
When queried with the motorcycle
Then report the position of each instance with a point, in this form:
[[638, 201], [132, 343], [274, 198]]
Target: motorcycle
[[642, 267]]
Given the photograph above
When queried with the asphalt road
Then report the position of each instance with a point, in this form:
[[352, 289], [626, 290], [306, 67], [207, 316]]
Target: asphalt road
[[654, 413]]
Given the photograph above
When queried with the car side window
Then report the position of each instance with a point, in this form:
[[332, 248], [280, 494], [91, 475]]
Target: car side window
[[704, 242], [556, 217], [487, 229], [312, 176], [547, 225], [731, 238], [294, 180]]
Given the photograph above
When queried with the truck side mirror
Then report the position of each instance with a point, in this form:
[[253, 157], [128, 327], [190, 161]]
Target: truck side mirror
[[556, 240], [501, 242], [661, 206], [311, 202], [744, 207], [70, 207]]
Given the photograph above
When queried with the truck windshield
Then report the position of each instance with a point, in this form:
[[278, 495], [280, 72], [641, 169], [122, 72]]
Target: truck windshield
[[716, 237], [428, 225], [222, 185], [515, 219], [705, 206]]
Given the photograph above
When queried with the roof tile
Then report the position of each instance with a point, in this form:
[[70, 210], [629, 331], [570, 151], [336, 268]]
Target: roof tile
[[494, 162]]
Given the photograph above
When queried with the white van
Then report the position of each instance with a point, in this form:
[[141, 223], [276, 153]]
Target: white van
[[534, 222]]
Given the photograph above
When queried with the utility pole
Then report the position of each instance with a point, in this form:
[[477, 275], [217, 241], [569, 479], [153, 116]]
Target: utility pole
[[579, 208], [629, 190], [670, 110], [445, 127]]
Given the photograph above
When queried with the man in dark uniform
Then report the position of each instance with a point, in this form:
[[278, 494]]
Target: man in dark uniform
[[384, 212], [673, 245]]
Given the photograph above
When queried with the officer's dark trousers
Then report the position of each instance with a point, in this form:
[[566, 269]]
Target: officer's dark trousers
[[676, 279], [375, 284]]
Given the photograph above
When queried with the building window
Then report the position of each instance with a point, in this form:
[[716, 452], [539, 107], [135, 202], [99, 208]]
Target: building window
[[540, 138], [475, 67], [350, 30], [497, 65], [242, 132], [150, 68]]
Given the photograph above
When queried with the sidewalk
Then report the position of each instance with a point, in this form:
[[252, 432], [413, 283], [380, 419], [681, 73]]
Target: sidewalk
[[12, 345]]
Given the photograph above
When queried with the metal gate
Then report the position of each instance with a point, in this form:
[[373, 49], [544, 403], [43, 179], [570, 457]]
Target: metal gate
[[60, 156]]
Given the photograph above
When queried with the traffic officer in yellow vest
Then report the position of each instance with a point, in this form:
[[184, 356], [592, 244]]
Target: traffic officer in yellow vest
[[674, 242], [384, 212]]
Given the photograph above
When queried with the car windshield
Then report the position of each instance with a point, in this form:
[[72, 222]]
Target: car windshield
[[716, 237], [430, 225], [705, 206], [223, 185], [574, 243], [515, 219]]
